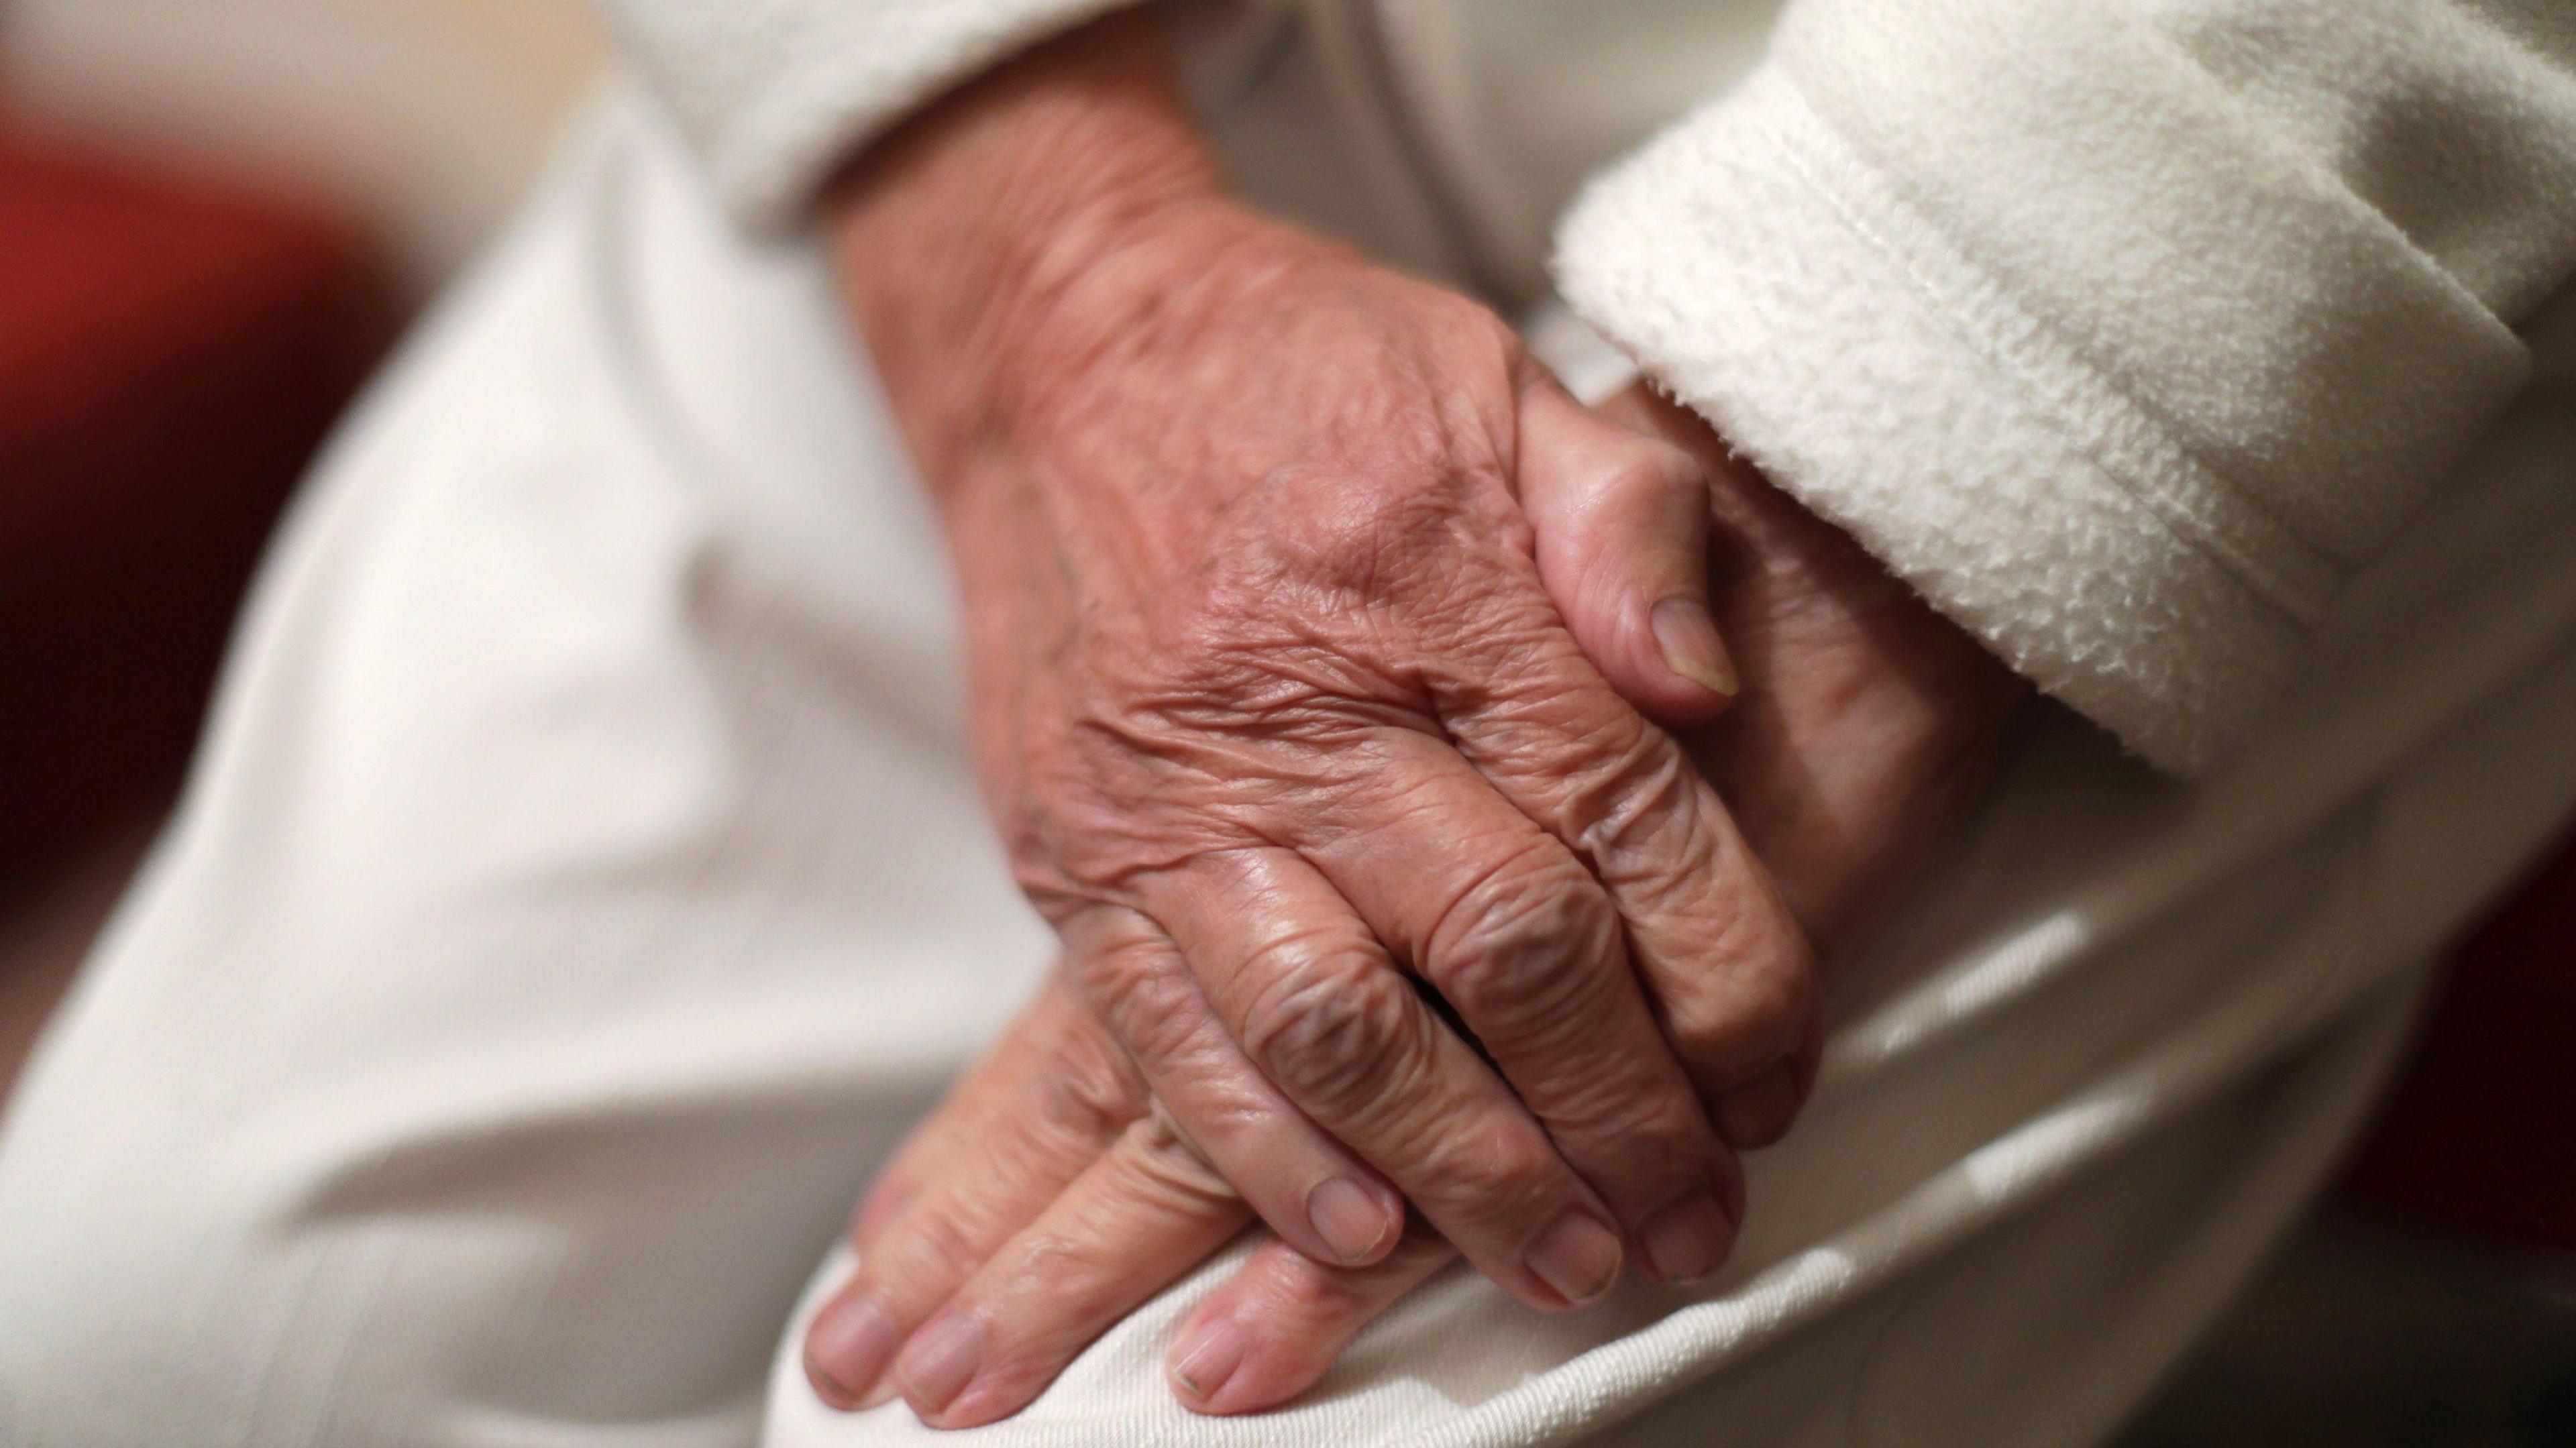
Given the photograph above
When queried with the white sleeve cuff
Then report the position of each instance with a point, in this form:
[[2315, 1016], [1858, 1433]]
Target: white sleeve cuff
[[1765, 276], [777, 94]]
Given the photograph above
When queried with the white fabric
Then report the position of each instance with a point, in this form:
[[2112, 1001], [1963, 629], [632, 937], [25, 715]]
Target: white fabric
[[582, 888], [2124, 331], [777, 95]]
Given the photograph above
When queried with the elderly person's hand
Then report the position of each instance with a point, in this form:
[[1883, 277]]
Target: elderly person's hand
[[1278, 716], [1049, 1196]]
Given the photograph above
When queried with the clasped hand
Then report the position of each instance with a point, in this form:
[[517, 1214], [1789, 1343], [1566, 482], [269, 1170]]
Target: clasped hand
[[1318, 645]]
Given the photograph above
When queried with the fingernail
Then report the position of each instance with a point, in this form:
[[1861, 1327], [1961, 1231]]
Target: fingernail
[[1208, 1354], [941, 1360], [1691, 648], [849, 1344], [1578, 1256], [1348, 1219], [1757, 1112], [1688, 1239]]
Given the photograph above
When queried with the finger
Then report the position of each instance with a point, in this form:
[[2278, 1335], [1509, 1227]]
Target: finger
[[1621, 521], [1141, 1217], [1048, 1096], [1522, 941], [1721, 955], [1274, 1328], [1749, 517], [1031, 1118], [1760, 1111], [1321, 1010], [1054, 1088], [1310, 1190], [990, 1098]]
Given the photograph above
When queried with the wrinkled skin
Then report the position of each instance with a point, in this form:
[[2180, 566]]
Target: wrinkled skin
[[1868, 721], [1050, 1196], [1276, 709], [1312, 636]]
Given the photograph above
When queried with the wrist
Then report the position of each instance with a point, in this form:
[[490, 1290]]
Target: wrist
[[958, 238]]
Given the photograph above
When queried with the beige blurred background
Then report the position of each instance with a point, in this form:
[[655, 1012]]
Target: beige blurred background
[[411, 128], [425, 121], [428, 117]]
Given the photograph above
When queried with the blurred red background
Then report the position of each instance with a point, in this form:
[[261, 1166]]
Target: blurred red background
[[171, 352], [185, 307], [173, 349]]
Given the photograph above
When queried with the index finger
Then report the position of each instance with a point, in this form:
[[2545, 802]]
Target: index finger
[[1032, 1116], [1274, 1328], [1714, 940]]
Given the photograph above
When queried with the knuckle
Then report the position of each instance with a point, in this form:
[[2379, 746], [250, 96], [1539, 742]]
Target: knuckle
[[1778, 979], [1489, 1173], [1155, 1008], [1637, 1132], [1510, 951], [1044, 1259], [1659, 1132], [1172, 1165], [1335, 1030], [930, 1250], [1623, 802], [1645, 466], [1760, 1017], [1299, 1291], [1089, 1097]]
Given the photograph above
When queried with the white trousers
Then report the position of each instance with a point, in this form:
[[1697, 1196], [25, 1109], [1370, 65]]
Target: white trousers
[[582, 888]]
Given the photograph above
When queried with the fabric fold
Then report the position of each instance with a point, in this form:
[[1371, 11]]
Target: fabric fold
[[774, 96], [1767, 279]]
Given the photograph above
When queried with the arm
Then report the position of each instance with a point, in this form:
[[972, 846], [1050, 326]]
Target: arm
[[1274, 709], [1772, 280], [1865, 726], [2122, 331]]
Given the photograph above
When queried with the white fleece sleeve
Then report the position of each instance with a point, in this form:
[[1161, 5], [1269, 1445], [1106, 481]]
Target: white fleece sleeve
[[2123, 329], [775, 93]]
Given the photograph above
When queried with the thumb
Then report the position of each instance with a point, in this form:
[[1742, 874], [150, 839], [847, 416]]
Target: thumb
[[1622, 526]]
